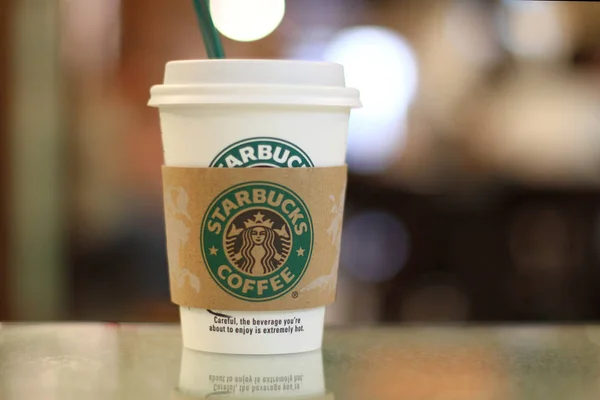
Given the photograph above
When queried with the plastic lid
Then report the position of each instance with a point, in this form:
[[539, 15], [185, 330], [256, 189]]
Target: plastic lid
[[270, 82]]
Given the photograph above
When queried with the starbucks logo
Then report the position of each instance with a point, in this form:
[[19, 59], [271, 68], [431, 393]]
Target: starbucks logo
[[257, 240], [262, 152], [258, 247]]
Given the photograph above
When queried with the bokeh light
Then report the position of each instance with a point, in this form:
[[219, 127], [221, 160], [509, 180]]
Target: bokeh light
[[532, 29], [245, 20], [375, 246], [382, 65], [542, 127], [468, 31]]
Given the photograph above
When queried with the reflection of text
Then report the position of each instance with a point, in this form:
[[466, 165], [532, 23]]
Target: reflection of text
[[256, 384], [257, 326]]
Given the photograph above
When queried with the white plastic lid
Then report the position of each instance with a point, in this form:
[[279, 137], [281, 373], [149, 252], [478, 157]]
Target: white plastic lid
[[272, 82]]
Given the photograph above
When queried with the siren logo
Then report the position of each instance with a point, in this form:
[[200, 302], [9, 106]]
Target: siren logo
[[257, 240], [262, 152]]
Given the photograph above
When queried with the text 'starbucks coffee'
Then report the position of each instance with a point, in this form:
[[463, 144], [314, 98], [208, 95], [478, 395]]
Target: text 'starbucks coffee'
[[257, 240], [265, 245]]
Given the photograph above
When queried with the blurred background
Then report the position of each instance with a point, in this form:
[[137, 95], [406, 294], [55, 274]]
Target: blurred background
[[474, 192]]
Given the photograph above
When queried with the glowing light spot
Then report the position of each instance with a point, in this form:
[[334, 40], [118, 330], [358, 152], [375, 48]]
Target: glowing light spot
[[375, 246], [382, 65], [532, 28], [245, 20]]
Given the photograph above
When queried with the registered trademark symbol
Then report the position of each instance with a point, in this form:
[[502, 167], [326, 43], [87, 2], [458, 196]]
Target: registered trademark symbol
[[294, 295]]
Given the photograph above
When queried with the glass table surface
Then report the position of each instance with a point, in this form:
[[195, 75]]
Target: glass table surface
[[112, 361]]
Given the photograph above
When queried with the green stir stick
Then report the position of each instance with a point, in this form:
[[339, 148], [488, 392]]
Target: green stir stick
[[212, 40]]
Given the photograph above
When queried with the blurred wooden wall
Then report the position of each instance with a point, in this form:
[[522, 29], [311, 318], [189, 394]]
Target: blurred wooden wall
[[5, 11], [152, 33]]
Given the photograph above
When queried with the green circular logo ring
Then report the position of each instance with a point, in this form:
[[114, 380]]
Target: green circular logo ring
[[262, 152], [256, 240]]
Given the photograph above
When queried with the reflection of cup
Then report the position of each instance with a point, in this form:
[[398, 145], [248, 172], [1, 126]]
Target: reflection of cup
[[251, 113], [204, 375]]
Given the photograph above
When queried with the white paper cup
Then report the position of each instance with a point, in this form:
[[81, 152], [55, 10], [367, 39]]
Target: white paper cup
[[210, 107], [292, 375]]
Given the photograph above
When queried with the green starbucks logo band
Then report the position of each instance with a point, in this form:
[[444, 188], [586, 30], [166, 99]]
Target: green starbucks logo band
[[257, 240], [262, 152]]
